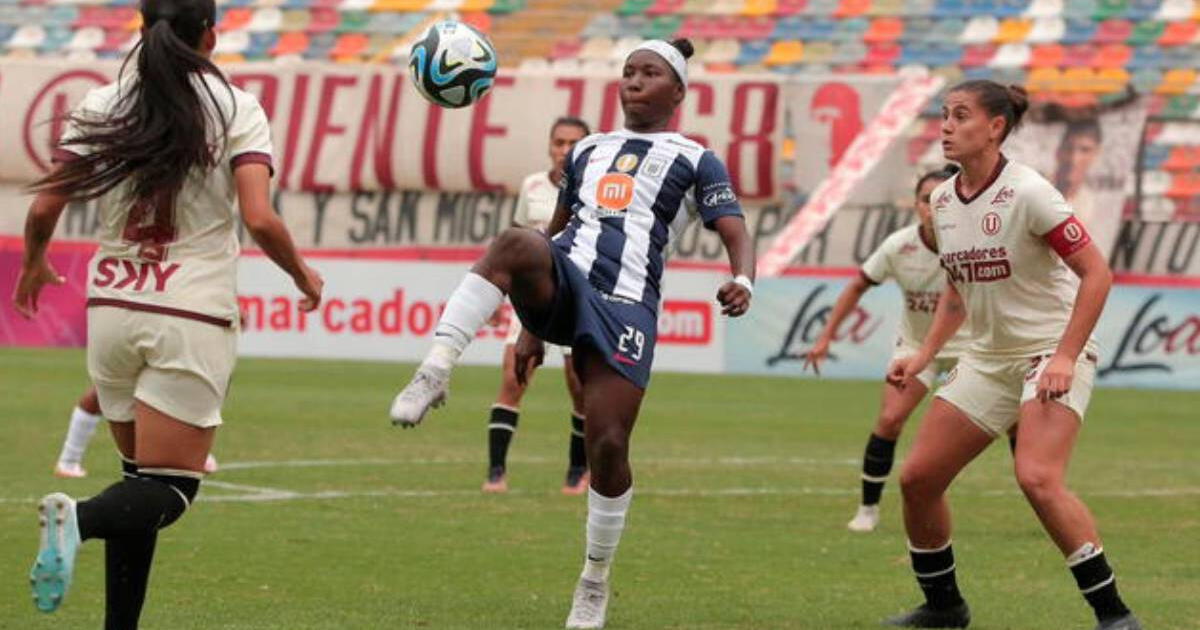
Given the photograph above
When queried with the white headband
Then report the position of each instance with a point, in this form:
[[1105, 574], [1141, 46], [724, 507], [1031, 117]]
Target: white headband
[[669, 53]]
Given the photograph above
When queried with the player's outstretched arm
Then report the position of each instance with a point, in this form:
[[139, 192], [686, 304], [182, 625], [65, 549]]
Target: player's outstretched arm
[[1095, 280], [734, 295], [950, 315], [846, 302], [36, 270], [268, 230]]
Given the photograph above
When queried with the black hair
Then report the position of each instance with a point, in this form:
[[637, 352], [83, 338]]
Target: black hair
[[998, 100], [684, 46], [1084, 127], [941, 174], [159, 129], [571, 121]]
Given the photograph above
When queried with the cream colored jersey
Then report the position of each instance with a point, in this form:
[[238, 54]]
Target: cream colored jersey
[[913, 263], [536, 202], [1003, 249], [177, 258]]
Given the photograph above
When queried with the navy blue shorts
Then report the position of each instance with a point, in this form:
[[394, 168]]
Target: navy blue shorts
[[622, 331]]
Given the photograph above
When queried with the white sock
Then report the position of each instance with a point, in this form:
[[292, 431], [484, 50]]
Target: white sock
[[79, 433], [471, 304], [606, 521]]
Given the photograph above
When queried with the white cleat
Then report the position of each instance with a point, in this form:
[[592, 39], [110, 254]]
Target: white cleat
[[428, 388], [69, 470], [866, 520], [589, 605]]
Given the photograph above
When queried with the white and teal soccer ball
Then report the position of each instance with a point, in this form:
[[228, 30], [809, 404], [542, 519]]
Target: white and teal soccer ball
[[452, 64]]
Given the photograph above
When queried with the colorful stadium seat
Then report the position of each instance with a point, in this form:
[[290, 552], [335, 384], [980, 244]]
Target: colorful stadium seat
[[1178, 33], [1045, 9], [980, 30], [1175, 10], [1011, 56], [784, 53], [323, 19], [1113, 31], [789, 7], [884, 29], [1046, 30], [1112, 56], [1011, 31], [975, 55], [1078, 31], [1108, 9], [289, 44]]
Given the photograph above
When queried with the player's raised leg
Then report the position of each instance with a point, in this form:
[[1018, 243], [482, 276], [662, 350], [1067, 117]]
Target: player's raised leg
[[517, 263], [84, 418], [894, 410], [1044, 444], [947, 441], [611, 402]]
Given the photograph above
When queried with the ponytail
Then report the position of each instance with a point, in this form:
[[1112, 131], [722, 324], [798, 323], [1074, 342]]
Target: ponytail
[[159, 129]]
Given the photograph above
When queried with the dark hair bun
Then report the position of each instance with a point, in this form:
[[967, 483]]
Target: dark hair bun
[[1020, 100], [950, 169], [684, 46]]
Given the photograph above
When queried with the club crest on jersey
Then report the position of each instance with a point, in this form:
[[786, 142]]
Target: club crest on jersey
[[614, 192], [1003, 196], [627, 162], [1073, 232], [654, 167], [991, 224]]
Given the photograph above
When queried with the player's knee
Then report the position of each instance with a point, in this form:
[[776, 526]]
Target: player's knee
[[184, 490], [918, 482], [607, 448], [513, 242], [90, 402], [890, 424], [1038, 481]]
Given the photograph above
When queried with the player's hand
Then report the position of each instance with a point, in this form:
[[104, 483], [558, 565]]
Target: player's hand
[[29, 286], [528, 355], [904, 370], [310, 283], [816, 355], [1056, 378], [734, 299]]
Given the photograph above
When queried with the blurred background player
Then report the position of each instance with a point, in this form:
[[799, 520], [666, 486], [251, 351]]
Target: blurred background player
[[1026, 276], [84, 418], [166, 151], [597, 286], [908, 256], [535, 209]]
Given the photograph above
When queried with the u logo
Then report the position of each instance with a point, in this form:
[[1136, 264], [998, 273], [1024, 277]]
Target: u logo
[[614, 191]]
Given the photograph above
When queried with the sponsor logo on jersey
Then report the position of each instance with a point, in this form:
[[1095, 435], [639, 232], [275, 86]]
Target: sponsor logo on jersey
[[991, 223], [614, 192], [978, 264], [1003, 196], [908, 248], [627, 162], [654, 167], [718, 195], [942, 201]]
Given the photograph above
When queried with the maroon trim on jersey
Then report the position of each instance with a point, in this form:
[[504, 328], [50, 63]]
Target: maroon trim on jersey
[[988, 184], [868, 279], [1067, 237], [159, 310], [253, 157], [59, 155], [930, 245]]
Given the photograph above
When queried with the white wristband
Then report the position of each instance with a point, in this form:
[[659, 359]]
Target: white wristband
[[746, 282]]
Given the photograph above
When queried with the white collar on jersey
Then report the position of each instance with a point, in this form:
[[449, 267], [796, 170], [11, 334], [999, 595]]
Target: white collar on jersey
[[669, 53]]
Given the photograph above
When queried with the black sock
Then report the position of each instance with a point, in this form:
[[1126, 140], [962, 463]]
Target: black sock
[[1099, 586], [136, 506], [935, 574], [127, 563], [501, 428], [877, 463], [128, 468], [1012, 444], [577, 451]]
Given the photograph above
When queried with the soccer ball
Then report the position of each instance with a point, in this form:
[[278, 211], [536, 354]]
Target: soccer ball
[[452, 64]]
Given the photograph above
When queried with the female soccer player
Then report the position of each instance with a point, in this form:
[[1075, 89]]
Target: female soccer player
[[535, 208], [1025, 275], [910, 258], [167, 151], [596, 285]]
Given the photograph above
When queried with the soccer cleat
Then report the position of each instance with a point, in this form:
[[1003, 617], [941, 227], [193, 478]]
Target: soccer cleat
[[497, 481], [1124, 622], [589, 605], [69, 470], [428, 388], [925, 617], [577, 481], [866, 520], [50, 577], [210, 465]]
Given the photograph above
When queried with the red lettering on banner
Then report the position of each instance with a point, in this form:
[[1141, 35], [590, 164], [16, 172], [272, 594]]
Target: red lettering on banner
[[295, 119], [759, 140], [360, 321], [104, 271], [1178, 339], [683, 322], [703, 96], [330, 325], [429, 153], [857, 327], [382, 141], [281, 314], [267, 92], [609, 105], [420, 319], [575, 99], [251, 309], [391, 317], [480, 130], [324, 127], [59, 106], [837, 105]]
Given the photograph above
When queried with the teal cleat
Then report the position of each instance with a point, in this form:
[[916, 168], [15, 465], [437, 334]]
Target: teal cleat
[[51, 573]]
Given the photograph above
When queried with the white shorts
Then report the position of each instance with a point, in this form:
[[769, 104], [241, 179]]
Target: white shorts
[[937, 367], [990, 391], [514, 331], [178, 366]]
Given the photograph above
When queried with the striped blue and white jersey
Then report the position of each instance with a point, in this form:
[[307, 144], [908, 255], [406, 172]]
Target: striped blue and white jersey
[[630, 195]]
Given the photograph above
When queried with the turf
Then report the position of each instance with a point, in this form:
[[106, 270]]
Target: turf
[[743, 488]]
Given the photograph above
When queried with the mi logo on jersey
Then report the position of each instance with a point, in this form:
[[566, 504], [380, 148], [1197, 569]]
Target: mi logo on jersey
[[614, 191], [991, 223], [627, 162]]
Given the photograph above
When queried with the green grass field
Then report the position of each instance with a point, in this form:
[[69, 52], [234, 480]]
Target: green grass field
[[325, 516]]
